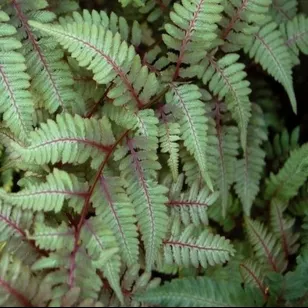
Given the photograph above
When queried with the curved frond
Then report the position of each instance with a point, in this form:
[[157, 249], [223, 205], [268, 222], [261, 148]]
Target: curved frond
[[69, 139], [266, 246], [19, 287], [269, 50], [193, 123], [249, 168], [16, 103], [193, 31], [139, 170], [197, 292], [110, 59], [243, 20], [283, 10], [282, 226], [51, 195], [114, 208], [285, 184], [226, 79], [206, 249]]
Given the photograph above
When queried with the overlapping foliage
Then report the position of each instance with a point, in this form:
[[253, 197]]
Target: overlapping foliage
[[136, 147]]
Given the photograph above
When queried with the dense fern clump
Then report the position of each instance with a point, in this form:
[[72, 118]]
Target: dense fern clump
[[145, 156]]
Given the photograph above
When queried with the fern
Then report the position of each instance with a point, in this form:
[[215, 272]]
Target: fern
[[51, 195], [265, 245], [140, 140], [206, 249], [74, 139], [291, 176], [193, 128], [193, 31], [249, 168], [196, 292], [269, 50], [16, 102], [243, 20]]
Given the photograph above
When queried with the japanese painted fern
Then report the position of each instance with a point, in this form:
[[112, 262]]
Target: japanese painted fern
[[136, 147]]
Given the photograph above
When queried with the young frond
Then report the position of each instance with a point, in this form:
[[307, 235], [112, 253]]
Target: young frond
[[205, 250], [51, 195], [192, 32], [269, 50], [193, 123], [16, 103], [197, 292], [139, 170], [285, 184], [243, 19], [68, 139], [265, 244], [109, 57], [249, 168], [113, 206], [282, 227], [19, 287]]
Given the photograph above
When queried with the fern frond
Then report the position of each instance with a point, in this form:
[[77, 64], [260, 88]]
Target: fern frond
[[266, 246], [154, 9], [51, 195], [102, 248], [50, 74], [249, 168], [269, 50], [282, 227], [16, 100], [192, 32], [139, 170], [285, 184], [193, 204], [243, 20], [13, 222], [253, 273], [228, 145], [283, 10], [63, 6], [296, 35], [69, 139], [110, 59], [112, 22], [19, 287], [113, 206], [169, 132], [193, 123], [196, 292], [279, 149], [52, 237], [226, 79], [206, 249], [67, 271]]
